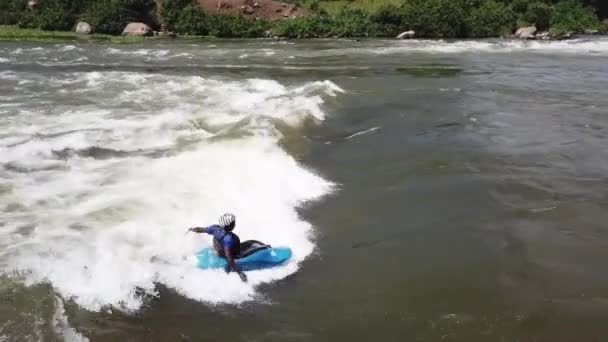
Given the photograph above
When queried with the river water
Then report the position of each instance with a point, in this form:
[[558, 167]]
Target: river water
[[430, 190]]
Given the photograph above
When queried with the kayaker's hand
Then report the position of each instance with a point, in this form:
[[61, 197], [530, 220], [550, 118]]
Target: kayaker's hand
[[243, 277]]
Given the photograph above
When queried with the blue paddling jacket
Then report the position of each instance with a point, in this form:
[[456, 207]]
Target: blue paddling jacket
[[222, 239]]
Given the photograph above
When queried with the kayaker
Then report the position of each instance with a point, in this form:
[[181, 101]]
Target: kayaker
[[226, 243]]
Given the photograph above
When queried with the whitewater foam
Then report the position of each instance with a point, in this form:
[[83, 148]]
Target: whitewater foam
[[573, 46], [66, 48], [106, 229], [61, 325], [149, 54]]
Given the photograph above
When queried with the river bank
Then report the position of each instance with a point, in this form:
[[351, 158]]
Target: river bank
[[17, 34], [444, 19]]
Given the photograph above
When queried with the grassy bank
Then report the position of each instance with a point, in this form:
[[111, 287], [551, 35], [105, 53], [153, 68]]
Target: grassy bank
[[15, 33]]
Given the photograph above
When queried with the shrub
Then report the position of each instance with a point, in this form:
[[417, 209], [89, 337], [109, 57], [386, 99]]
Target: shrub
[[303, 27], [604, 27], [491, 19], [228, 26], [11, 11], [390, 20], [183, 16], [314, 6], [353, 23], [439, 18], [169, 11], [142, 10], [107, 16], [538, 14], [192, 20], [51, 15], [570, 15], [520, 6]]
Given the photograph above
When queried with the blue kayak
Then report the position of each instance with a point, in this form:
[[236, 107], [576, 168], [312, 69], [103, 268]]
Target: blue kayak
[[255, 257]]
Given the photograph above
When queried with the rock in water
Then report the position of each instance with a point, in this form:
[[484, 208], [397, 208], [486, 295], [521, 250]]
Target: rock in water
[[526, 32], [406, 35], [543, 35], [137, 29], [83, 28]]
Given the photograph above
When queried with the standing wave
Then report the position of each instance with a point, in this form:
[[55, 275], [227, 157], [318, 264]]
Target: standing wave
[[102, 173]]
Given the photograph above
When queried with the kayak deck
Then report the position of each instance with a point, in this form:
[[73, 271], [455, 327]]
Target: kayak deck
[[262, 258]]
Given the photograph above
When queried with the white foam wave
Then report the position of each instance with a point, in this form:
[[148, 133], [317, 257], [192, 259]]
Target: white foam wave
[[19, 51], [366, 131], [150, 54], [66, 48], [183, 54], [105, 229], [573, 46]]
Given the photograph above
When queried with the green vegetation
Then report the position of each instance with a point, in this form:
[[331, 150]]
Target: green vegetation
[[183, 17], [491, 19], [109, 17], [340, 18], [11, 11], [232, 26], [439, 18], [105, 16], [15, 33], [539, 14], [569, 15]]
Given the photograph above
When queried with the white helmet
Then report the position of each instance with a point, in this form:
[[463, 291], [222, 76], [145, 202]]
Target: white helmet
[[226, 220]]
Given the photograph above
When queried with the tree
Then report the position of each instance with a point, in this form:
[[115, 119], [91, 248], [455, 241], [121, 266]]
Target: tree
[[538, 14], [491, 19], [571, 15], [439, 18]]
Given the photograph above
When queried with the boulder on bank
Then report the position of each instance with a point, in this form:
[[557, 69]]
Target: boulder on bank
[[526, 32], [32, 4], [83, 28], [406, 35], [137, 29]]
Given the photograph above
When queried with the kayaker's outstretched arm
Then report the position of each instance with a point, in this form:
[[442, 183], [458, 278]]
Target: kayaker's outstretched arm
[[233, 264], [198, 229]]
